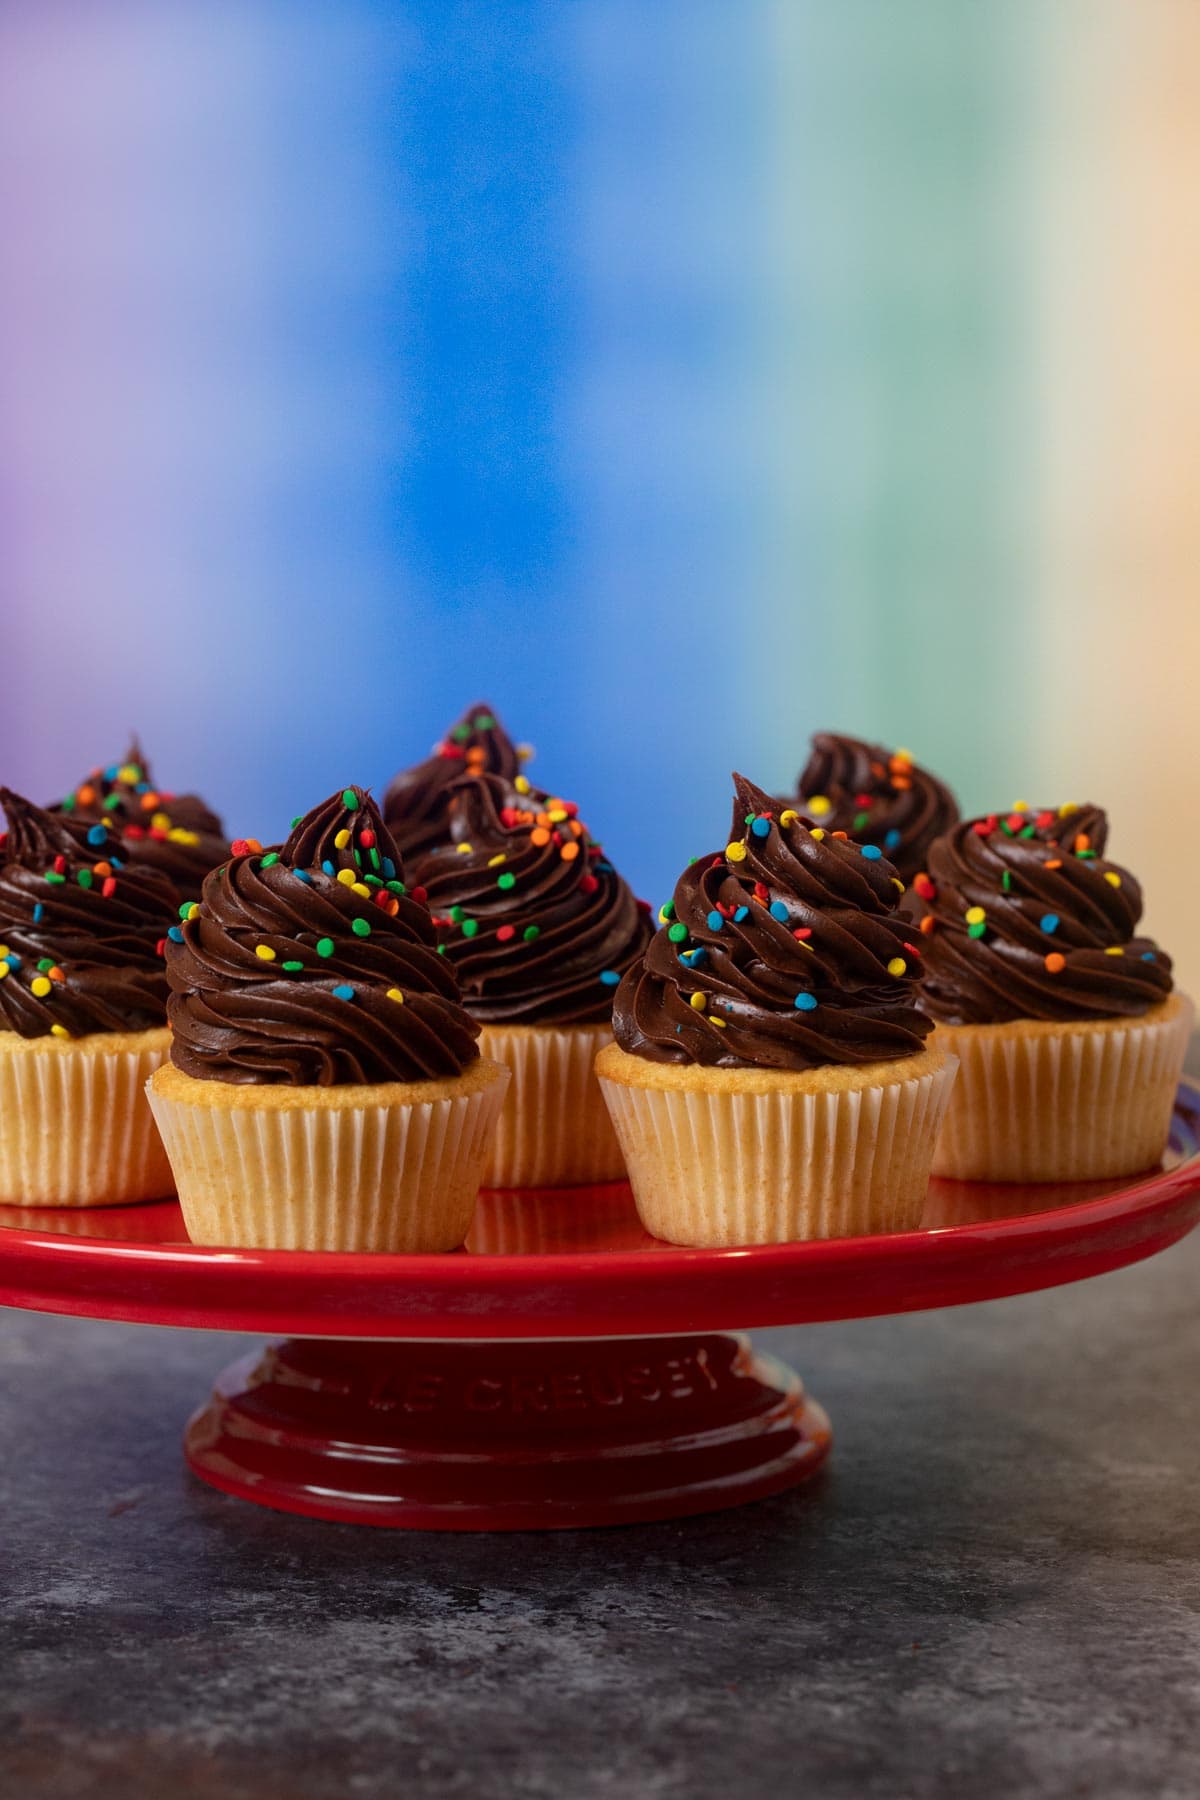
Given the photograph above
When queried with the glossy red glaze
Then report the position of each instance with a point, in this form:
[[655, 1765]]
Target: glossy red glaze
[[509, 1436]]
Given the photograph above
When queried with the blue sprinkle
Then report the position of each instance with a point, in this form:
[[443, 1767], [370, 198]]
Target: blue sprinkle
[[1149, 956], [111, 774], [872, 852], [693, 958], [328, 868], [343, 993], [13, 960], [389, 869], [610, 977], [97, 835], [603, 868], [118, 862], [303, 875], [715, 921], [892, 840], [38, 913], [779, 911], [761, 827], [143, 787], [175, 935], [743, 912], [806, 1002], [1050, 922]]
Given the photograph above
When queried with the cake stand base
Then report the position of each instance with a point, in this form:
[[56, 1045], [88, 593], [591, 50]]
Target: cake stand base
[[507, 1436]]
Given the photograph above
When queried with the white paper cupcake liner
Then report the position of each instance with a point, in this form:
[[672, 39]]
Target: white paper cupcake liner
[[554, 1130], [715, 1166], [1070, 1102], [259, 1168], [75, 1129]]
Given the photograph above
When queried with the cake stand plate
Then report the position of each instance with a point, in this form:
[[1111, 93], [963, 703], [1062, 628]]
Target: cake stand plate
[[563, 1369]]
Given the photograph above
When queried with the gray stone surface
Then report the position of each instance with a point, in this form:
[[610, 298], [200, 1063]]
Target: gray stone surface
[[994, 1591]]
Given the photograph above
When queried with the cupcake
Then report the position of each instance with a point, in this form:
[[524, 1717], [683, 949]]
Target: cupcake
[[1069, 1037], [539, 928], [416, 805], [83, 1001], [325, 1089], [876, 796], [176, 833], [771, 1077]]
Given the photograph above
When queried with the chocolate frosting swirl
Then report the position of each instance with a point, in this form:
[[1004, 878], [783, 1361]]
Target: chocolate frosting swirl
[[81, 928], [416, 806], [176, 833], [784, 951], [535, 919], [1026, 919], [312, 965], [875, 796]]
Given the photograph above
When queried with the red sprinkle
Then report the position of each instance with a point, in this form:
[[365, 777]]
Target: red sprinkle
[[589, 883], [802, 932], [109, 887], [60, 865], [912, 948], [984, 827], [366, 838], [923, 887], [452, 752], [419, 894], [1044, 819], [504, 932]]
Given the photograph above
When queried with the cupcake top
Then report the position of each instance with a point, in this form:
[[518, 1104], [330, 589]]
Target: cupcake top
[[1026, 919], [533, 916], [416, 805], [783, 951], [176, 833], [875, 796], [81, 928], [312, 965]]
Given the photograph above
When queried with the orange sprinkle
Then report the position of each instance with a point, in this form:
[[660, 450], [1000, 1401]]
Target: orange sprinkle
[[1083, 842], [56, 973], [86, 795], [1055, 962], [1056, 864], [149, 802], [841, 834], [569, 851], [539, 836], [928, 924], [102, 868]]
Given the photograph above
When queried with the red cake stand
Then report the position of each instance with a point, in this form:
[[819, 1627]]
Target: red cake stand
[[564, 1369]]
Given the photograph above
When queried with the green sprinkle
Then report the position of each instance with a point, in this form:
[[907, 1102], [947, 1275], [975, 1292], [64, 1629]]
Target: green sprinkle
[[47, 962], [85, 878], [298, 820], [457, 915], [1006, 882], [324, 946], [1027, 831], [68, 803], [977, 931], [461, 733], [470, 927], [506, 880], [292, 967], [185, 909], [360, 928], [1083, 855], [484, 722], [374, 857], [677, 933], [396, 887], [530, 932], [112, 802], [349, 799], [666, 910], [860, 820], [441, 949], [372, 881], [269, 860], [56, 880]]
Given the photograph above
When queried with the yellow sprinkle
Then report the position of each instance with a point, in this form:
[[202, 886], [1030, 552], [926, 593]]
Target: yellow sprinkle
[[1112, 878], [818, 806], [522, 782], [39, 986], [3, 949], [3, 970], [556, 815], [342, 838], [818, 834], [1065, 811], [360, 887], [128, 773], [699, 1001], [396, 995], [975, 915], [788, 817], [1114, 950], [713, 1020], [59, 1031], [346, 877], [897, 883], [897, 966], [160, 821], [463, 849], [495, 861], [178, 835], [1020, 806], [193, 911], [265, 952], [736, 852], [902, 756]]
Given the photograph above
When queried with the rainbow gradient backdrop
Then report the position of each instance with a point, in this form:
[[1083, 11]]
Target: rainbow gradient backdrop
[[679, 378]]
